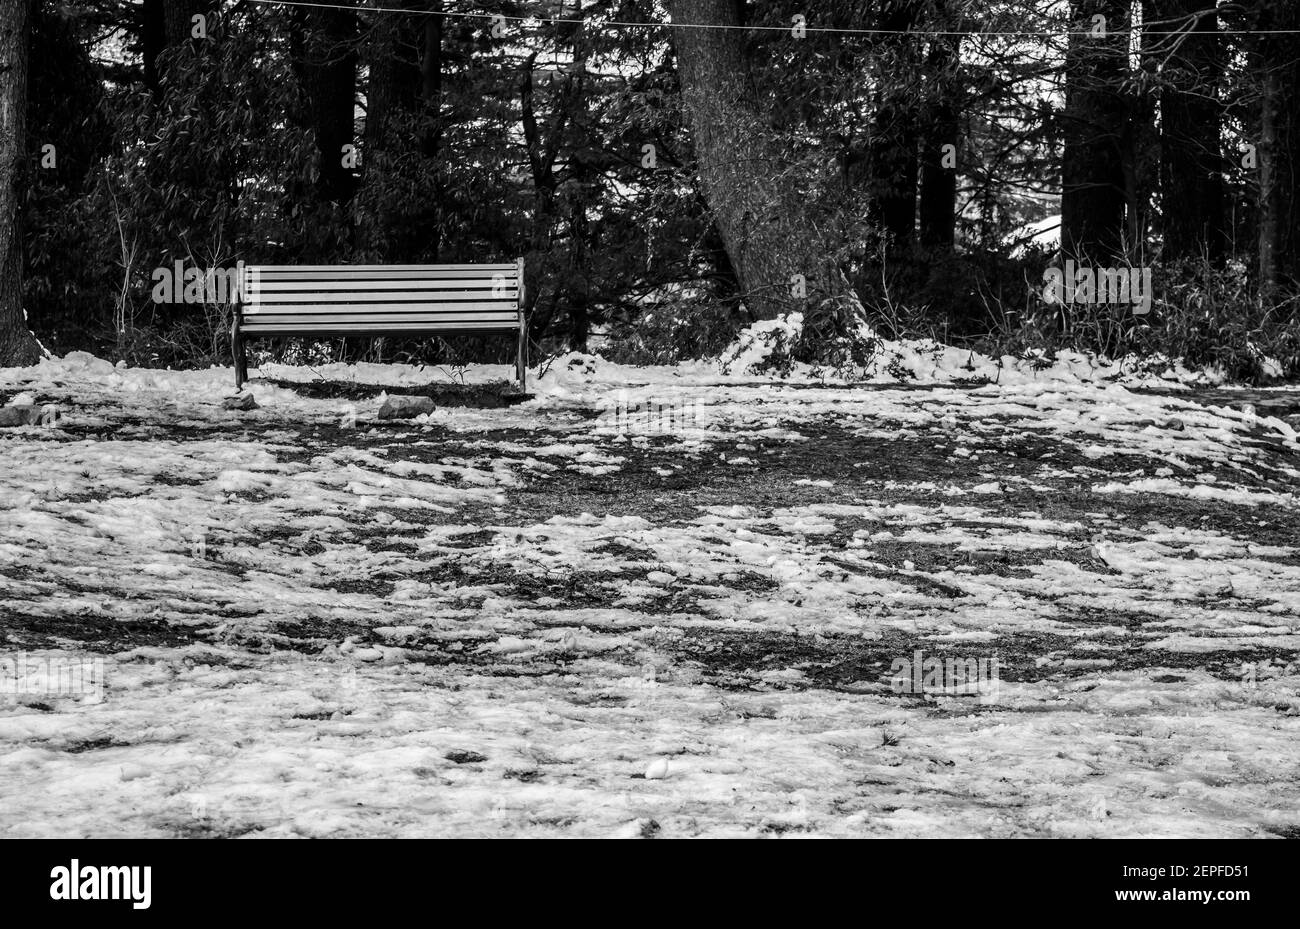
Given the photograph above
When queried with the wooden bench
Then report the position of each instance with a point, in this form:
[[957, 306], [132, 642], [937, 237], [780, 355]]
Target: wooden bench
[[379, 300]]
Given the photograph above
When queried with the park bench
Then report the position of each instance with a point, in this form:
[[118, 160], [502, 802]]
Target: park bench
[[379, 300]]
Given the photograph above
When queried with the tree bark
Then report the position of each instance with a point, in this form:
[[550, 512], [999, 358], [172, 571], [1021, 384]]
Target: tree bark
[[395, 80], [1279, 162], [1095, 123], [431, 91], [392, 95], [153, 40], [431, 62], [762, 217], [896, 137], [179, 18], [943, 127], [1191, 170], [329, 73], [17, 344]]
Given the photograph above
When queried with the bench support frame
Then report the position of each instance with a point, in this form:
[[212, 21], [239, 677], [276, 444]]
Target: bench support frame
[[237, 350], [521, 359]]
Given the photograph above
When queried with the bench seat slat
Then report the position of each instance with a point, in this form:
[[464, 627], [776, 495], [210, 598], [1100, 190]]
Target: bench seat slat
[[253, 286], [503, 266], [254, 281], [363, 286], [423, 317], [428, 308], [404, 318], [267, 274], [364, 326], [429, 298]]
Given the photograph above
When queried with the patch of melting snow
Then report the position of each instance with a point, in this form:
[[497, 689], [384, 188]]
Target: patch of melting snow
[[341, 603]]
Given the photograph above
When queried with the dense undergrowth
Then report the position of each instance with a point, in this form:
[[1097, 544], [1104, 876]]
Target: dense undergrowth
[[1211, 318]]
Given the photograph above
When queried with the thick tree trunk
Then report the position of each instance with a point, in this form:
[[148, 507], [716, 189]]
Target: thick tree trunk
[[431, 62], [761, 215], [17, 344], [541, 163], [943, 127], [395, 80], [392, 96], [896, 137], [1279, 161], [1095, 122], [1191, 170], [153, 39], [894, 172], [329, 72]]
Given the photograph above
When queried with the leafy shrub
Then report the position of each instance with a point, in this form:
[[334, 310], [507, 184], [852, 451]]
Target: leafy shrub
[[1211, 317], [681, 329]]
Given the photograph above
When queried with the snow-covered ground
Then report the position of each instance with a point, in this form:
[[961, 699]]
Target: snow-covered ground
[[647, 602]]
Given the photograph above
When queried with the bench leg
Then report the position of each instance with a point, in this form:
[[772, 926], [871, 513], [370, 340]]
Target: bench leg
[[521, 359], [241, 358]]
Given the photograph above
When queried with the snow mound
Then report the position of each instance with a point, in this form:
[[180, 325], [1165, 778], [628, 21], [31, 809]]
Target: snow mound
[[756, 350], [85, 363], [755, 345]]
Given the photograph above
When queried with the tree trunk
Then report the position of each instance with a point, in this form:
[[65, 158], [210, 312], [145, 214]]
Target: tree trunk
[[392, 95], [431, 137], [1191, 175], [760, 213], [153, 39], [896, 137], [395, 79], [179, 18], [541, 163], [1279, 162], [1095, 123], [17, 344], [894, 172], [943, 127], [431, 62], [329, 71]]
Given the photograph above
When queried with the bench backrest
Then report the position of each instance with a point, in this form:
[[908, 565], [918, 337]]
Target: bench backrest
[[381, 299]]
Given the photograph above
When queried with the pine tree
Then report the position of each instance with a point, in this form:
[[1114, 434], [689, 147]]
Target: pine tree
[[17, 344]]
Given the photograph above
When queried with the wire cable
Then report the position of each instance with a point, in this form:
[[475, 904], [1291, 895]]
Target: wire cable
[[833, 30]]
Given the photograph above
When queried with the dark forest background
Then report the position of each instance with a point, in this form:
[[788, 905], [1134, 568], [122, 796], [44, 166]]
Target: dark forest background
[[665, 185]]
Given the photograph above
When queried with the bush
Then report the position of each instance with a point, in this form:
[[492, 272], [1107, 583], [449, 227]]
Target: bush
[[1208, 316], [680, 329]]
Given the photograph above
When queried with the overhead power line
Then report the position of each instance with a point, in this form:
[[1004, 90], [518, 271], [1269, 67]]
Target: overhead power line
[[833, 30]]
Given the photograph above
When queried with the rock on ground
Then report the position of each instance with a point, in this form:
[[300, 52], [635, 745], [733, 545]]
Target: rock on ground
[[399, 407], [25, 415]]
